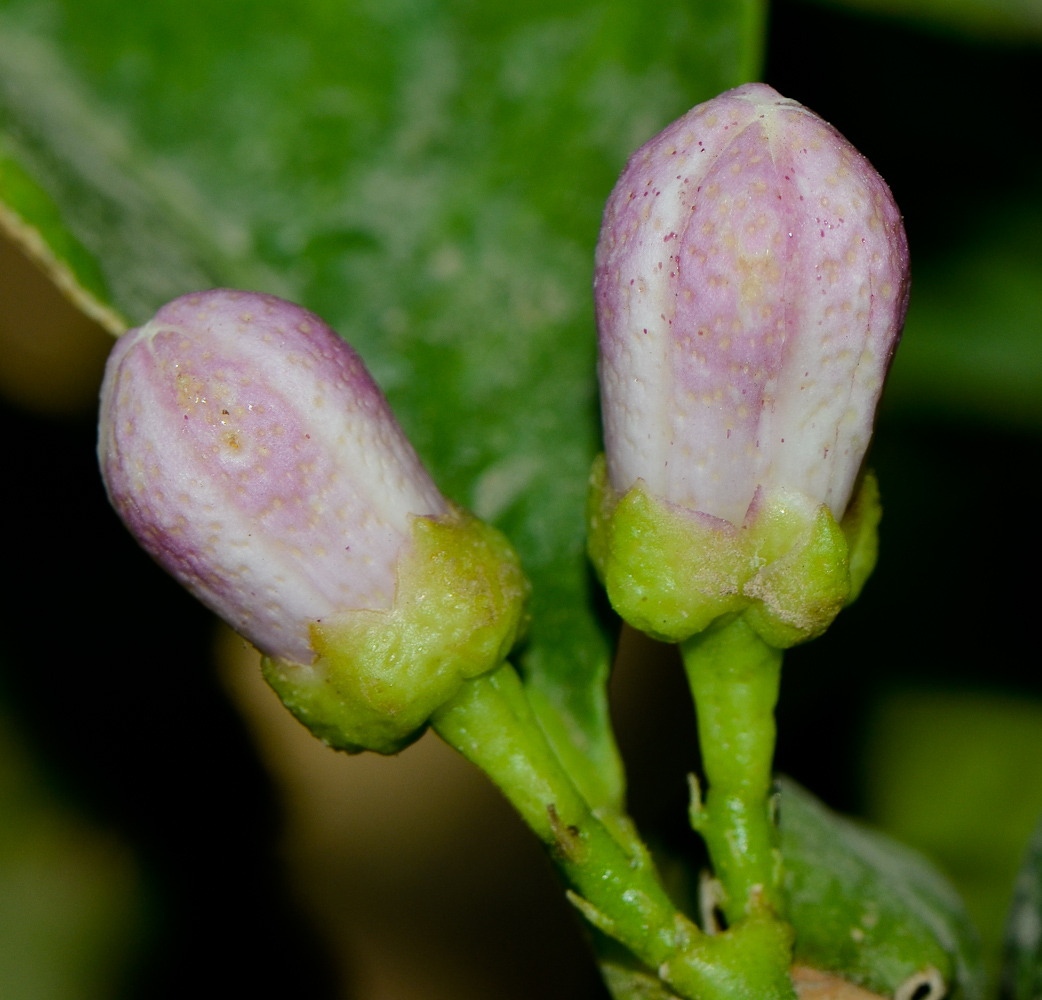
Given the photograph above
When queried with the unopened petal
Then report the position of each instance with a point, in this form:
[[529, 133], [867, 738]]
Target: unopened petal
[[247, 448], [750, 286]]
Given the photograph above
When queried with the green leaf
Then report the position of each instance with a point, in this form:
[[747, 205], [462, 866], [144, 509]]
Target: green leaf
[[428, 175], [1012, 20], [1022, 965], [28, 213], [973, 341], [869, 908]]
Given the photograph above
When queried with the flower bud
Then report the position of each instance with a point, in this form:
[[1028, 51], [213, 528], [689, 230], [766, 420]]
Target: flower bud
[[751, 285], [248, 450]]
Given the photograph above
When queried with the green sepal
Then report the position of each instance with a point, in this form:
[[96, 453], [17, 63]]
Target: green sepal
[[671, 572], [806, 580], [668, 571], [868, 908], [30, 217], [459, 608]]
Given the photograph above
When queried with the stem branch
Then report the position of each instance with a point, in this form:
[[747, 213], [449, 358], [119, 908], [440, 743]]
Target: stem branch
[[613, 883]]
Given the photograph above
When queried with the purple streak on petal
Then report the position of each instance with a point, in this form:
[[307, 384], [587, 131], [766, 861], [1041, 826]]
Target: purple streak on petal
[[744, 246], [246, 446]]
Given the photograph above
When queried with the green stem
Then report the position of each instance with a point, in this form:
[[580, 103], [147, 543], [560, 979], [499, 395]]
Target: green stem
[[613, 883], [734, 677]]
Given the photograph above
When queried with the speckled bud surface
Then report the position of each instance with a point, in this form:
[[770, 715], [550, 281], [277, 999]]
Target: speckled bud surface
[[251, 454], [751, 285]]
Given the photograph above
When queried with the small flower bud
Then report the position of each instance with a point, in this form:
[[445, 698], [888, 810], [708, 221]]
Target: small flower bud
[[248, 450], [751, 285]]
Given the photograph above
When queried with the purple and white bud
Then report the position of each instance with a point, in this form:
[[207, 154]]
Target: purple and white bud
[[751, 285], [251, 454]]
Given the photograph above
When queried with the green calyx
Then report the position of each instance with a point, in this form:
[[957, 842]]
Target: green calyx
[[671, 572], [459, 608]]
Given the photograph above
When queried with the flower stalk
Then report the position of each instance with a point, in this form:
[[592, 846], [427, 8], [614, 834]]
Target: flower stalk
[[734, 677]]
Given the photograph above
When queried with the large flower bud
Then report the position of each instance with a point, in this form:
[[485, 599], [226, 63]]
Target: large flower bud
[[751, 285], [248, 450]]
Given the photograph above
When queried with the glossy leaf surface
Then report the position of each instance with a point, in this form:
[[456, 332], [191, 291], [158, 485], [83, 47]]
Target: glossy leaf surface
[[428, 176], [869, 908]]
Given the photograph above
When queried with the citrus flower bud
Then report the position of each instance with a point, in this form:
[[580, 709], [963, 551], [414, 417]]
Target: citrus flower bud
[[248, 450], [751, 285]]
